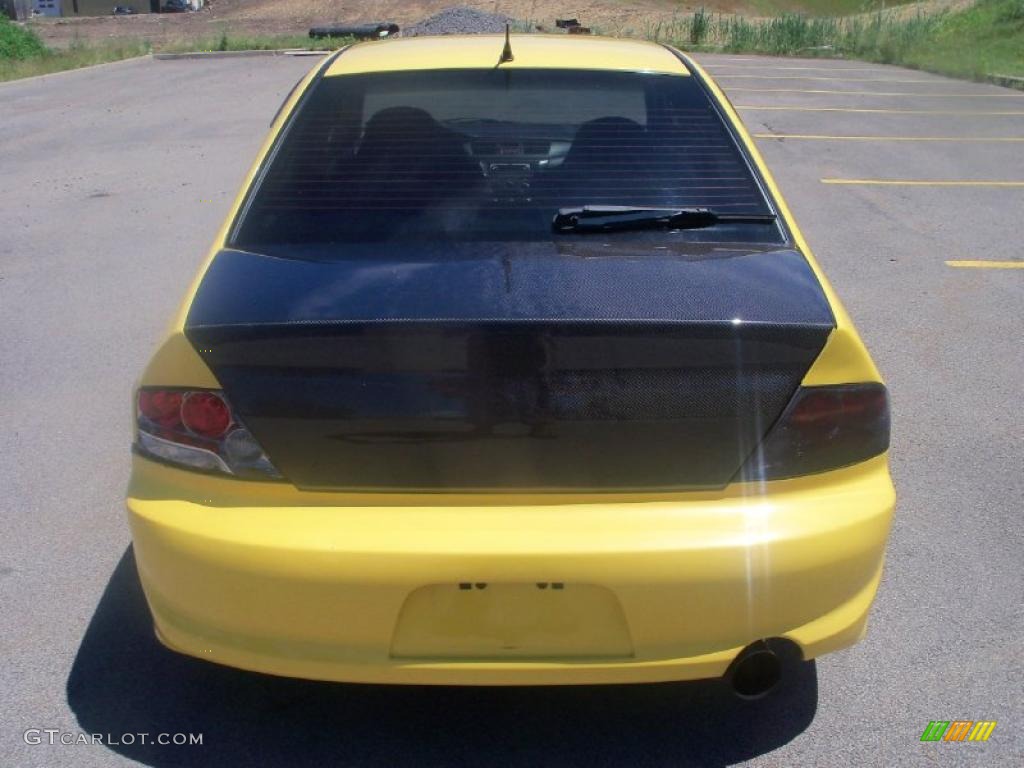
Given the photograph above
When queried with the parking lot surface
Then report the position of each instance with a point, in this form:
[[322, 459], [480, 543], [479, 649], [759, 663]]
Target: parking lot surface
[[908, 186]]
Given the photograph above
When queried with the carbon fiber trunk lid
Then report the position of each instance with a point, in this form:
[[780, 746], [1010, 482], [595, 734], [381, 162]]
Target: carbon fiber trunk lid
[[510, 367]]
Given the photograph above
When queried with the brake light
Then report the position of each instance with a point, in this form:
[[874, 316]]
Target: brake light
[[161, 407], [823, 428], [197, 429], [205, 413]]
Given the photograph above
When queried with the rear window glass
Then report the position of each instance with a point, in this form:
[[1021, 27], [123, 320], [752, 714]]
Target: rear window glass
[[492, 155]]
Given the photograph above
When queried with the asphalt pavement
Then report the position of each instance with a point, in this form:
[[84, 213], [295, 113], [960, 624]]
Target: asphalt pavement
[[909, 188]]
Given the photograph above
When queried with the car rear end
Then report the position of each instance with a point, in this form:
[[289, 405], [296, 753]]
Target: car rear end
[[404, 430]]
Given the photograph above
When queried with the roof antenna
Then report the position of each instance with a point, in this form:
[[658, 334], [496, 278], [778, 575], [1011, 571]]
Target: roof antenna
[[506, 53]]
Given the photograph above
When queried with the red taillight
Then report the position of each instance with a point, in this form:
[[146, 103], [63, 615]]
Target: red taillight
[[161, 406], [823, 428], [825, 406], [206, 414], [196, 429]]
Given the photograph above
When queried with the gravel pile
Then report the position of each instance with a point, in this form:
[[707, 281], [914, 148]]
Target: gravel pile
[[457, 21]]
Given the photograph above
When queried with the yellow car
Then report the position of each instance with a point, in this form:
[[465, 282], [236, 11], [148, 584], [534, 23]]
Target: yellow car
[[510, 366]]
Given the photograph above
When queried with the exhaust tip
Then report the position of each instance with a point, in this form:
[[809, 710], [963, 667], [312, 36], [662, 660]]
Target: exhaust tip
[[755, 671]]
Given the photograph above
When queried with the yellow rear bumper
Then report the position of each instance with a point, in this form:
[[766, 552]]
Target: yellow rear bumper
[[367, 588]]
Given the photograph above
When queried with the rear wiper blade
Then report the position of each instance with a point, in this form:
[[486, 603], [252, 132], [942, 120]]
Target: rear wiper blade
[[614, 218]]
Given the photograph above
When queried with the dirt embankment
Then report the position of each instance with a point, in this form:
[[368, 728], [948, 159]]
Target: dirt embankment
[[294, 17]]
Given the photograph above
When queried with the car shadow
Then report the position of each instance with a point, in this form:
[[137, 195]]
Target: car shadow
[[124, 682]]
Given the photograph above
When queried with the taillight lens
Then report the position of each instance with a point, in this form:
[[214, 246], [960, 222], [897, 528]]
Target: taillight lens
[[823, 428], [205, 414], [161, 407], [197, 429]]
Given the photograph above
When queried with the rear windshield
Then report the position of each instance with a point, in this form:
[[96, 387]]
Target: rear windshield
[[492, 155]]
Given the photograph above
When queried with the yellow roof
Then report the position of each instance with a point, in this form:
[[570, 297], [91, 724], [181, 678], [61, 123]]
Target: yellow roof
[[482, 51]]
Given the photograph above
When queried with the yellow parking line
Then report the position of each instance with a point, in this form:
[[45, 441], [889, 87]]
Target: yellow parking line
[[731, 89], [987, 264], [818, 77], [924, 183], [885, 138], [779, 108]]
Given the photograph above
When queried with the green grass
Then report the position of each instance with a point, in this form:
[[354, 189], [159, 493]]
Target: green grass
[[49, 61], [821, 7], [22, 54], [983, 40], [878, 36], [227, 42], [987, 39], [18, 43]]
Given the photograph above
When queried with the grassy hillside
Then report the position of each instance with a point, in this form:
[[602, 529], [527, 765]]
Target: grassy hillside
[[18, 43], [817, 7], [976, 40], [986, 38], [250, 18], [601, 13], [22, 53]]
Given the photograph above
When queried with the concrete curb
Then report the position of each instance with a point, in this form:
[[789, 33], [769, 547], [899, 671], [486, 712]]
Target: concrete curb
[[237, 54], [1007, 81]]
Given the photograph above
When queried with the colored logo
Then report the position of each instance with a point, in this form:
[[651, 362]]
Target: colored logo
[[958, 730]]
